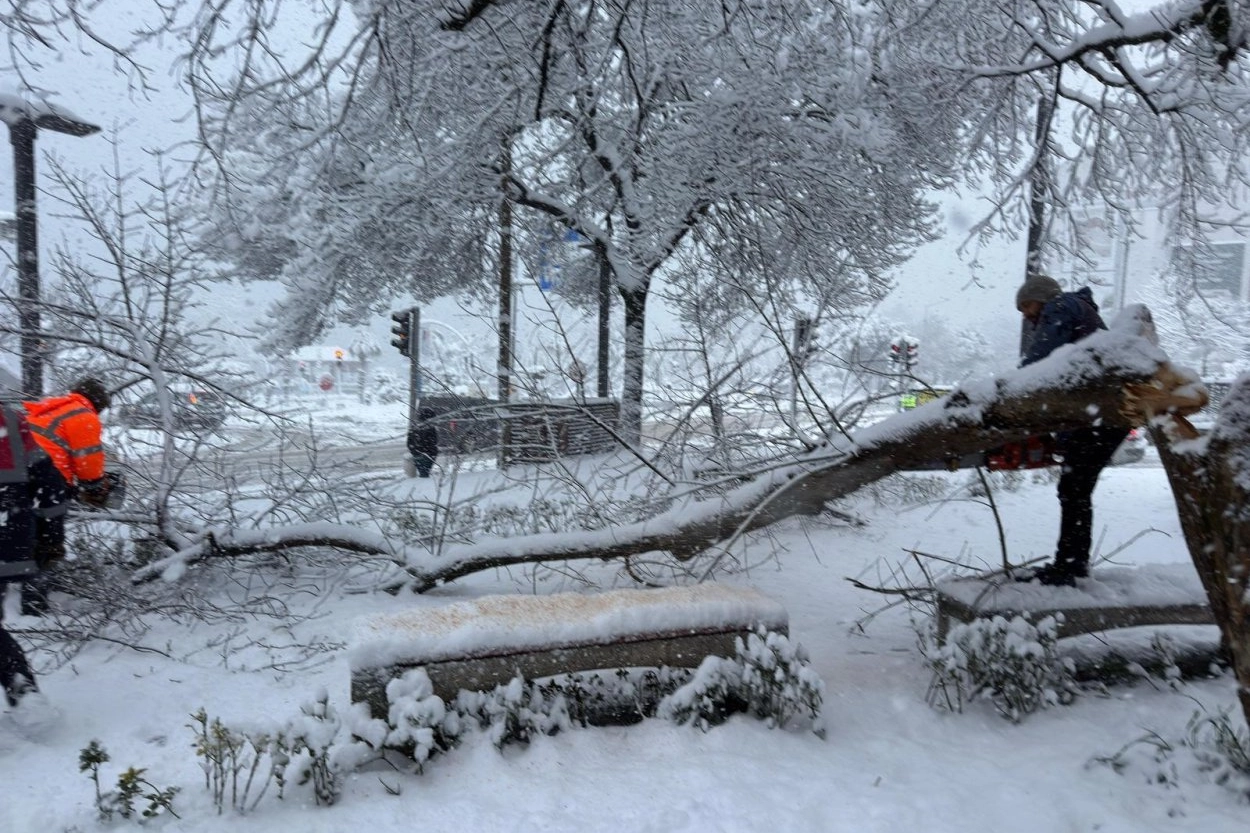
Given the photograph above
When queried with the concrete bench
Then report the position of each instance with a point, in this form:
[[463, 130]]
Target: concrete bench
[[1112, 597], [484, 642]]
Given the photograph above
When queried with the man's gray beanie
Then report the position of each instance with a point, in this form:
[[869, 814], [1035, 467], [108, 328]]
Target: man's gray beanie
[[1038, 288]]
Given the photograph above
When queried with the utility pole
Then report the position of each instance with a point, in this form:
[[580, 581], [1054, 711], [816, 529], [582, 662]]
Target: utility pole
[[25, 121]]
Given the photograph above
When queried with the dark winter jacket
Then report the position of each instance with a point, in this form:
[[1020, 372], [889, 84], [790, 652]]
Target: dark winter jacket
[[423, 439], [1065, 319]]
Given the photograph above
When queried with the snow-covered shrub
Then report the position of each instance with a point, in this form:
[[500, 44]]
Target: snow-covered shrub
[[515, 712], [522, 709], [1212, 749], [1010, 662], [418, 723], [313, 753], [132, 787], [624, 695], [769, 677], [307, 749], [1164, 646]]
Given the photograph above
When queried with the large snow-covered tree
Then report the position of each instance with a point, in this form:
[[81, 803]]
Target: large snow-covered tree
[[751, 131]]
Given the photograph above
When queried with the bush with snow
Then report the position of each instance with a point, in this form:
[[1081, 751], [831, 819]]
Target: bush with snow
[[133, 789], [1013, 663], [1212, 749], [769, 678], [240, 764]]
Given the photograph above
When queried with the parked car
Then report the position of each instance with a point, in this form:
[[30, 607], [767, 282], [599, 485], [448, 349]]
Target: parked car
[[196, 408]]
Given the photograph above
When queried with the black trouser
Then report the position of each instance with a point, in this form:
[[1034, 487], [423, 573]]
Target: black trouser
[[424, 463], [16, 678], [49, 552], [1086, 453]]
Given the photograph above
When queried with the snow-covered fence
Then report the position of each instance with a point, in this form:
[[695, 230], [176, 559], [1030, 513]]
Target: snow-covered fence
[[1113, 597], [481, 643]]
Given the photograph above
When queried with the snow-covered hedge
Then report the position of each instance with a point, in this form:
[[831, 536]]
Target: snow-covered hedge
[[769, 678], [1013, 663]]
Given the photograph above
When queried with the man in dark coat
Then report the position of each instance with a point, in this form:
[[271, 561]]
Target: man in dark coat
[[423, 442], [29, 483], [1053, 318]]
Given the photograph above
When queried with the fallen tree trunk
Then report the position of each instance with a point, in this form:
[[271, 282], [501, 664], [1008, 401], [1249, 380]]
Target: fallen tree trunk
[[1096, 381], [1099, 380]]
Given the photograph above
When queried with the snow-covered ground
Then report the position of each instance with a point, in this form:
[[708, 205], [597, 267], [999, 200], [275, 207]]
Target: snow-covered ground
[[890, 762]]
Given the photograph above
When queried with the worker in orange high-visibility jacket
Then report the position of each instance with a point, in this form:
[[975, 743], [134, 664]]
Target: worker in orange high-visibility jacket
[[68, 429]]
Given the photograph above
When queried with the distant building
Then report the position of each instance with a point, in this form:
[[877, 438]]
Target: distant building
[[1121, 263], [317, 360]]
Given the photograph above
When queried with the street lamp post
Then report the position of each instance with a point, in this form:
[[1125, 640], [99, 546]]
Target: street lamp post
[[25, 120]]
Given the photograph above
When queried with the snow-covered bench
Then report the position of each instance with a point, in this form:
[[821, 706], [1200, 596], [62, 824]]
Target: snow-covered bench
[[1112, 597], [484, 642]]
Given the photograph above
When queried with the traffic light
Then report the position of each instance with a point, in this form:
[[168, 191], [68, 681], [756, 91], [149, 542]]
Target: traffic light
[[905, 350], [402, 330]]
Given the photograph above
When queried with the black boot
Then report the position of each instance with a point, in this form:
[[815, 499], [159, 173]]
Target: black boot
[[16, 678], [1056, 574]]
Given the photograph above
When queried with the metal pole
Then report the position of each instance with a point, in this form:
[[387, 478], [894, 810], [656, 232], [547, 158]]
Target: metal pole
[[22, 135], [414, 366]]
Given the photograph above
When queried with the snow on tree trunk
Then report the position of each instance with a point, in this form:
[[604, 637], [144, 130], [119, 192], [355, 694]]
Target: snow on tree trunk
[[1210, 479]]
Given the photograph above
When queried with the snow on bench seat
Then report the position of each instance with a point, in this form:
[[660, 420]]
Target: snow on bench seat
[[484, 642], [1112, 597]]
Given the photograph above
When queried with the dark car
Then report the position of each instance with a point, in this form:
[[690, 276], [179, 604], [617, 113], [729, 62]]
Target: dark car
[[199, 409]]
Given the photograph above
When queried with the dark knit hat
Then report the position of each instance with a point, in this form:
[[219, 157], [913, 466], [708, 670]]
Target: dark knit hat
[[1038, 288], [94, 391]]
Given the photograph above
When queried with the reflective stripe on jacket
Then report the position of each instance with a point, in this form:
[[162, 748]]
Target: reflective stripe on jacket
[[68, 428]]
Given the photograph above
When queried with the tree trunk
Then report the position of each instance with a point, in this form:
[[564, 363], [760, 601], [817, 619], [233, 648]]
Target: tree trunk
[[1212, 490], [635, 304]]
